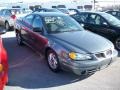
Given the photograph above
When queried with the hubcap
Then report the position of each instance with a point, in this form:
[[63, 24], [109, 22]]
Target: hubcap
[[118, 43], [52, 60]]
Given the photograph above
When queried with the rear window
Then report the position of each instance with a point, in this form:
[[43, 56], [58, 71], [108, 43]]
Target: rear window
[[15, 11], [20, 11]]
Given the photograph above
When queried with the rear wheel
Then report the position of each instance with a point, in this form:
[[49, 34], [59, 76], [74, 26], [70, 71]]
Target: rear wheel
[[19, 39], [117, 43], [52, 60]]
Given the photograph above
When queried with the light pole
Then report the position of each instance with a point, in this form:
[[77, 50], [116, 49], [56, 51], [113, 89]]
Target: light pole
[[94, 4], [114, 4]]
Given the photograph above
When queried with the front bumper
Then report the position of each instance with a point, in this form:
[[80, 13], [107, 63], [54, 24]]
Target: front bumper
[[89, 66]]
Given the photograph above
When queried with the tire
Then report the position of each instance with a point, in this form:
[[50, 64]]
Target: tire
[[19, 39], [52, 60], [117, 43], [7, 26]]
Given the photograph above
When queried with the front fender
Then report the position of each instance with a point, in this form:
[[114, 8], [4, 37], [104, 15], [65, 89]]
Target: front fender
[[57, 48]]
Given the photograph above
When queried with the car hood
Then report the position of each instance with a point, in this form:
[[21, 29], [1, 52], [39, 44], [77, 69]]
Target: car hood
[[83, 40]]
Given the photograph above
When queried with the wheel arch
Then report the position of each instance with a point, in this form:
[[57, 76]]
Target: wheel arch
[[47, 49]]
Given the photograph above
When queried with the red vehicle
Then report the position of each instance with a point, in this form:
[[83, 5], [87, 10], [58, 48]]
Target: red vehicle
[[3, 65]]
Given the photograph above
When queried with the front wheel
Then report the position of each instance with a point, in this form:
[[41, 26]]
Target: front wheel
[[117, 43], [52, 60]]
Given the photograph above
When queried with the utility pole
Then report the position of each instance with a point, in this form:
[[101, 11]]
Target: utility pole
[[94, 1], [114, 4]]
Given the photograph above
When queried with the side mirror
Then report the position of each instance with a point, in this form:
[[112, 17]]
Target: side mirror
[[37, 29], [104, 23], [2, 31]]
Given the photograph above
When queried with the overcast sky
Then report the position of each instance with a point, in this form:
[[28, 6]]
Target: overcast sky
[[101, 2], [47, 0]]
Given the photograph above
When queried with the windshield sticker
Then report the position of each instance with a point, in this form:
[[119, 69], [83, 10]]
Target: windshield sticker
[[57, 20]]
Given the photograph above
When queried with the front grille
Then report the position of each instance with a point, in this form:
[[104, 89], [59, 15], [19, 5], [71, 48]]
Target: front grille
[[92, 71], [104, 54], [89, 72], [100, 55]]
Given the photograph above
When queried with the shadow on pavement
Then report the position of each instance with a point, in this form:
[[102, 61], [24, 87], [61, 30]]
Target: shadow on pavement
[[29, 70]]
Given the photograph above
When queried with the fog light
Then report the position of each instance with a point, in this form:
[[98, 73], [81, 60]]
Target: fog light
[[1, 67]]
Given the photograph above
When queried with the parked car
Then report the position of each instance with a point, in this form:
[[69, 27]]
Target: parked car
[[65, 44], [114, 13], [74, 11], [3, 65], [101, 23], [46, 10], [8, 17]]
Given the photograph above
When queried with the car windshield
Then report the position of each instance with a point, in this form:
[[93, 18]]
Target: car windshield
[[64, 11], [111, 19], [58, 24]]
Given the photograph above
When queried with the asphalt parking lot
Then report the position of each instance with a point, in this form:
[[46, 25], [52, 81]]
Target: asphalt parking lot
[[28, 71]]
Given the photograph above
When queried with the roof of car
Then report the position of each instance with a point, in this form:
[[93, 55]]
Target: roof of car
[[49, 14], [112, 11], [12, 8], [96, 12]]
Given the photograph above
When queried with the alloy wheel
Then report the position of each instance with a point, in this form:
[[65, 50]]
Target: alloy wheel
[[52, 60]]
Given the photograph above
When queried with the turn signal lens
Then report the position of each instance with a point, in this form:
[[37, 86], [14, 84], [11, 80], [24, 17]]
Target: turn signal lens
[[1, 68], [72, 55], [78, 56]]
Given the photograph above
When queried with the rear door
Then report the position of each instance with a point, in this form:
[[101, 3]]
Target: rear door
[[26, 28], [38, 39]]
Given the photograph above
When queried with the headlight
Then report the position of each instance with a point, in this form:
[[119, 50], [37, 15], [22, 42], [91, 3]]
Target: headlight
[[78, 56], [113, 48], [1, 68]]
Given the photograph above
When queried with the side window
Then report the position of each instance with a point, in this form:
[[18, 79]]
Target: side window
[[118, 14], [109, 12], [100, 21], [28, 19], [114, 13], [37, 22], [81, 17], [92, 19], [103, 22]]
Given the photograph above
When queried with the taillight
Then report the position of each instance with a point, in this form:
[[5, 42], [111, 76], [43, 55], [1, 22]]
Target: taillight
[[13, 17], [1, 68]]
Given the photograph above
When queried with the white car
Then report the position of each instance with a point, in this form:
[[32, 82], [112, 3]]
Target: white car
[[9, 16]]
